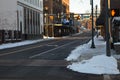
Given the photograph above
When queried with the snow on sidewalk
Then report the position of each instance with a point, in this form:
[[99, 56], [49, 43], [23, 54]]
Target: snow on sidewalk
[[94, 61], [87, 51], [11, 45], [97, 65]]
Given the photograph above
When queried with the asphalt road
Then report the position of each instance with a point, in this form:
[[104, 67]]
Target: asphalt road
[[43, 61]]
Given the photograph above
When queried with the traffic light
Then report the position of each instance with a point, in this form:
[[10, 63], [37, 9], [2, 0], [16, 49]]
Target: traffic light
[[114, 12]]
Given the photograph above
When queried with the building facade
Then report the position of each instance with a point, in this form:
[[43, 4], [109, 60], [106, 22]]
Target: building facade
[[56, 8], [23, 16], [66, 4], [115, 30], [113, 4], [53, 12]]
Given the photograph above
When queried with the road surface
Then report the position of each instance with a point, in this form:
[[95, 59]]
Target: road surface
[[43, 61]]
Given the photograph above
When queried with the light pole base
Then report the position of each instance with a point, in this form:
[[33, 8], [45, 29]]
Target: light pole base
[[93, 45]]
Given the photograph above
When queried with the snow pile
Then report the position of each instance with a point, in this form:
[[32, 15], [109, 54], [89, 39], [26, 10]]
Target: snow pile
[[85, 49], [77, 52], [94, 60], [11, 45], [97, 65]]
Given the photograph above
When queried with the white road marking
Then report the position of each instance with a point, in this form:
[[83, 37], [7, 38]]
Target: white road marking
[[50, 50], [19, 50], [23, 49]]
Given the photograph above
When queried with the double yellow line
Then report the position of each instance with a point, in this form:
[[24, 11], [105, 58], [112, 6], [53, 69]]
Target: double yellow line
[[3, 54]]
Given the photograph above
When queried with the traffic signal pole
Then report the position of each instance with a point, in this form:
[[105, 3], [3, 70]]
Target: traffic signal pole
[[108, 53]]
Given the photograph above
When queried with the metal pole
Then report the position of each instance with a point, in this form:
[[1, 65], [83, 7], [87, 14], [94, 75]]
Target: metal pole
[[92, 45], [96, 20], [107, 31], [96, 11]]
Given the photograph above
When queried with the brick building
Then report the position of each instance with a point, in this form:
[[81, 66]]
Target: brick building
[[56, 8], [65, 4], [53, 12]]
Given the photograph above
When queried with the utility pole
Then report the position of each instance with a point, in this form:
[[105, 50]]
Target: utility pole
[[92, 45], [107, 30]]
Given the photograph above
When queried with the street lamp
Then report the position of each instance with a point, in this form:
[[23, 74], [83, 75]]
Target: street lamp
[[92, 45], [107, 28], [96, 20]]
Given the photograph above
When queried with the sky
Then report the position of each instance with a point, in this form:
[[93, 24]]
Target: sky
[[82, 6]]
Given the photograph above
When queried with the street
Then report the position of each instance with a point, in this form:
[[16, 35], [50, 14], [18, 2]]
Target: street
[[43, 61], [56, 40]]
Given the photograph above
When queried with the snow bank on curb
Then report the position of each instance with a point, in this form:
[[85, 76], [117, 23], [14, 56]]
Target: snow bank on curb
[[97, 65], [85, 49], [11, 45], [16, 44], [75, 54], [94, 60]]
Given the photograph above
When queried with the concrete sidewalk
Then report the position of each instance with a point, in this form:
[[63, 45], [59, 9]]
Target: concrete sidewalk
[[100, 49]]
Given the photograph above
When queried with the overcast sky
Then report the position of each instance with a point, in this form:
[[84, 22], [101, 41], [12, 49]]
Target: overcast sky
[[82, 6]]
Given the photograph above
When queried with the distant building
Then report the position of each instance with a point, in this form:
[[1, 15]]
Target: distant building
[[54, 10], [56, 6], [66, 4], [25, 16]]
